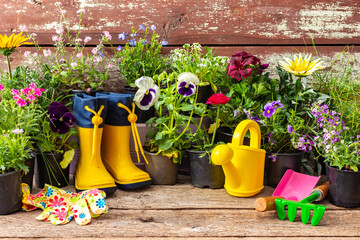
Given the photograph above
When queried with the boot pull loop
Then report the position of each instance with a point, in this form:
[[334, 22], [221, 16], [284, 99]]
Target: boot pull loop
[[96, 120], [132, 118]]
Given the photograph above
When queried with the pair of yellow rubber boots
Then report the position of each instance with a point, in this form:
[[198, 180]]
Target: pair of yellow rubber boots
[[104, 123]]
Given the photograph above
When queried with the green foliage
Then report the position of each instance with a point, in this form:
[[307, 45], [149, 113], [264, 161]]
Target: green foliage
[[209, 68], [170, 123], [13, 151], [141, 56]]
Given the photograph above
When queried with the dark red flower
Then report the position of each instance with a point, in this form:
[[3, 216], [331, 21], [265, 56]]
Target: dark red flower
[[240, 65], [218, 98]]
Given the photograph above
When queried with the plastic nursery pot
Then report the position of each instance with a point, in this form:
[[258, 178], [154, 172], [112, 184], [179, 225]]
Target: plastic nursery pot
[[28, 178], [162, 170], [143, 115], [204, 174], [225, 135], [48, 170], [276, 169], [344, 188], [204, 93], [10, 192]]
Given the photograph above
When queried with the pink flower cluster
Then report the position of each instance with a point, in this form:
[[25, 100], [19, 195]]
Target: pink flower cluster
[[27, 95]]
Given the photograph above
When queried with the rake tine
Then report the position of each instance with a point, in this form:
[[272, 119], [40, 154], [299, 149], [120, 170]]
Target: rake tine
[[318, 213], [280, 209], [305, 214], [292, 212]]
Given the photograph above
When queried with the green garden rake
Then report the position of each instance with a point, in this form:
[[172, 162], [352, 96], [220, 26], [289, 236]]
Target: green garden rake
[[305, 205]]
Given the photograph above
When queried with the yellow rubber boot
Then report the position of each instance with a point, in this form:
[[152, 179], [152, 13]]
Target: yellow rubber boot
[[90, 171], [115, 146]]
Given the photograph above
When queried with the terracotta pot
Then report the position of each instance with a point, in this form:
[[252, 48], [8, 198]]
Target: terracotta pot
[[162, 170], [10, 192], [344, 188]]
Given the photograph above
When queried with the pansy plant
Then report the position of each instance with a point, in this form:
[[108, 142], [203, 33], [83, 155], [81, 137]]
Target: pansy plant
[[147, 93]]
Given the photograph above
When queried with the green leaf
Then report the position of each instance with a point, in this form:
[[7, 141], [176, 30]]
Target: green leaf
[[165, 144]]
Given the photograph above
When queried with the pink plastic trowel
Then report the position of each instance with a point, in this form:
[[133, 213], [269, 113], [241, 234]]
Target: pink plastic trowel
[[292, 186], [295, 186]]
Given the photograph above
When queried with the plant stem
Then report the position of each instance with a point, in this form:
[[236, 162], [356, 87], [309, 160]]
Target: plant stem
[[9, 67], [215, 127]]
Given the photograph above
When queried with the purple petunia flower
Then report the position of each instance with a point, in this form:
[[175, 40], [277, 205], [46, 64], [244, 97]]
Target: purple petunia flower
[[186, 89], [277, 104], [268, 110]]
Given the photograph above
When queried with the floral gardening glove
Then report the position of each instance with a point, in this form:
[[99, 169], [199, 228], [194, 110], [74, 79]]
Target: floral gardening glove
[[61, 206]]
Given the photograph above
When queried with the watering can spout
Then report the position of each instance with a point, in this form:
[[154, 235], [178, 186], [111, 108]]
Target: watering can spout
[[243, 165]]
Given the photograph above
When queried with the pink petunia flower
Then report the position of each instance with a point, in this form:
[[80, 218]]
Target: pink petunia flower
[[32, 86], [26, 91], [31, 97], [38, 92], [21, 102], [1, 87]]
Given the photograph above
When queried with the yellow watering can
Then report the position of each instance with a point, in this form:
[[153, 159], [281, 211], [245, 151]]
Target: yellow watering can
[[243, 165]]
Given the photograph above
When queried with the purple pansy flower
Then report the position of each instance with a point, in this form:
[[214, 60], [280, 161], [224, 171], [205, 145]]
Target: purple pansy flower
[[268, 110], [148, 93], [187, 83], [61, 119]]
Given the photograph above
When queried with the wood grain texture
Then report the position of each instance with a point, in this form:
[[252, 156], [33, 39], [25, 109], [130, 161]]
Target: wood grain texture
[[217, 22]]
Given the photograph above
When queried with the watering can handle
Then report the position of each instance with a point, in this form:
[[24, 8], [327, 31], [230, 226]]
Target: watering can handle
[[242, 128]]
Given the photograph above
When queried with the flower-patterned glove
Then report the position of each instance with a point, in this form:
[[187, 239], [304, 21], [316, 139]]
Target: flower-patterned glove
[[61, 206]]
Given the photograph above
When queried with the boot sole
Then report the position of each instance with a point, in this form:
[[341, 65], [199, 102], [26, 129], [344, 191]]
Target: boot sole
[[133, 186], [108, 191]]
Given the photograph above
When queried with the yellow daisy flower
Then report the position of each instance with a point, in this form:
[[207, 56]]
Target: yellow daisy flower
[[8, 44], [301, 66]]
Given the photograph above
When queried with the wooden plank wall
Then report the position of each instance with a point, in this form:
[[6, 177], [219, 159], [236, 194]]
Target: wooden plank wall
[[269, 29]]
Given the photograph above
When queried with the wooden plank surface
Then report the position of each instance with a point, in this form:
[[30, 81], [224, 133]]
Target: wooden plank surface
[[183, 211], [217, 22]]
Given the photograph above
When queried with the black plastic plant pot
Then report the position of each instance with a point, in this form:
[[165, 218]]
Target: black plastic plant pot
[[344, 188], [28, 178], [10, 192], [274, 170], [143, 115], [204, 92], [225, 135], [204, 174], [48, 170]]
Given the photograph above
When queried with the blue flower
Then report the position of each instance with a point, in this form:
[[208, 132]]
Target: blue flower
[[163, 42], [152, 27], [43, 204], [145, 42], [122, 36], [49, 192], [118, 48], [142, 27], [82, 215], [100, 203], [101, 54], [133, 35], [290, 129], [132, 42], [268, 110]]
